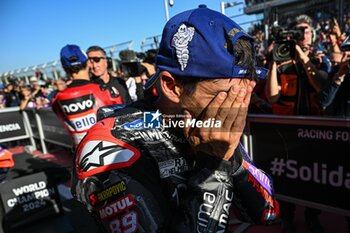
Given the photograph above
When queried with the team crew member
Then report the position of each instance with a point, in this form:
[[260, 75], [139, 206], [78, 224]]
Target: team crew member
[[77, 105], [138, 172], [99, 69]]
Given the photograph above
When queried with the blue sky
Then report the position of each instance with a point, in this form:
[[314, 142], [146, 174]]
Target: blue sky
[[33, 31]]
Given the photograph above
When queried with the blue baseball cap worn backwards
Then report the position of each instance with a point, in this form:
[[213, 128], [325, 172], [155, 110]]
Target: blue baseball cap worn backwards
[[72, 55], [194, 44]]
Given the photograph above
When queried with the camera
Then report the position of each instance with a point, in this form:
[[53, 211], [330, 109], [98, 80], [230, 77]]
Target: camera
[[149, 56], [317, 55], [285, 41], [132, 69], [131, 61]]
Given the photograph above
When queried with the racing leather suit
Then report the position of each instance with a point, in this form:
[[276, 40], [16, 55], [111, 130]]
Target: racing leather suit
[[77, 106], [137, 179]]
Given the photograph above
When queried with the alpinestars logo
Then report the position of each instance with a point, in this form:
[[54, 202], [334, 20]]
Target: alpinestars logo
[[103, 153]]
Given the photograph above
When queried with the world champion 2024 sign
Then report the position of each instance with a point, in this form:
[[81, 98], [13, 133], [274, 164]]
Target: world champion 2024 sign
[[307, 159], [28, 198]]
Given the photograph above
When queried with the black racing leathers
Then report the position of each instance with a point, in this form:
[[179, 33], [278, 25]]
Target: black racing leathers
[[137, 179]]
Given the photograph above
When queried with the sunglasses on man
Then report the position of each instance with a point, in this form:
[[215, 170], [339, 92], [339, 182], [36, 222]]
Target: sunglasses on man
[[96, 59]]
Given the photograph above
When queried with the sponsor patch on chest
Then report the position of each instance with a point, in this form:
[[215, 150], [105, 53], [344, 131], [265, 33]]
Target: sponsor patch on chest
[[172, 166]]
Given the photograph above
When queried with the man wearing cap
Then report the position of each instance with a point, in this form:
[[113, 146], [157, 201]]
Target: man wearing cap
[[174, 163], [99, 69], [77, 105]]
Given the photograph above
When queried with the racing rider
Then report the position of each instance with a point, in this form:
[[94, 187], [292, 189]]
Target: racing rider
[[174, 163]]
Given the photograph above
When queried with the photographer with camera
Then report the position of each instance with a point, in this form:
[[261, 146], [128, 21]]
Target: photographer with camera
[[98, 64], [136, 68], [131, 71], [294, 81], [292, 87]]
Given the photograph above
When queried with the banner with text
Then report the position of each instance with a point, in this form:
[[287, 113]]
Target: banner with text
[[306, 157], [29, 198], [11, 126]]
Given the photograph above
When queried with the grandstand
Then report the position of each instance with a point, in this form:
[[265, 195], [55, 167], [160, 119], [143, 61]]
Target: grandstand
[[290, 8]]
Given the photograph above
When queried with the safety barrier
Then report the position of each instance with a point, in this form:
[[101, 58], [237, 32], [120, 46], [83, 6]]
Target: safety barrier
[[47, 127], [39, 126], [306, 156], [14, 125]]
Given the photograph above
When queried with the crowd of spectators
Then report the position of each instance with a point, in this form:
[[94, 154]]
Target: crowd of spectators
[[39, 92], [36, 94], [328, 36], [325, 50]]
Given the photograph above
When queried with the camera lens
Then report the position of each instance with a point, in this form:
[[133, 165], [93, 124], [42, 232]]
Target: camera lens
[[283, 50]]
